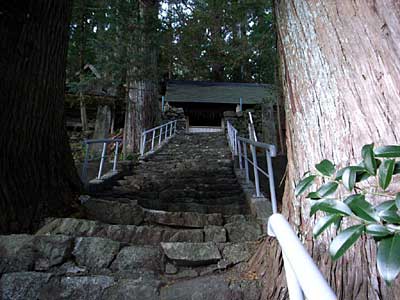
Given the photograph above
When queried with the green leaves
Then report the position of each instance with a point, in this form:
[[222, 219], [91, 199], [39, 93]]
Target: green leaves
[[330, 206], [324, 223], [390, 216], [388, 151], [382, 222], [385, 173], [345, 240], [304, 184], [326, 167], [324, 191], [386, 205], [377, 230], [397, 200], [389, 258], [349, 178], [368, 156], [361, 208]]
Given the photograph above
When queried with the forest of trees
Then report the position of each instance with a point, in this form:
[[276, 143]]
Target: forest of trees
[[192, 40]]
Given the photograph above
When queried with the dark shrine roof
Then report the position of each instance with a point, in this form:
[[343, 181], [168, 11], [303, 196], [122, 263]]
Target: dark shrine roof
[[217, 92]]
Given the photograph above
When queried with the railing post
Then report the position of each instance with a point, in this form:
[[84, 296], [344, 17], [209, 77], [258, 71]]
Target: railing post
[[235, 143], [240, 155], [115, 156], [85, 163], [103, 153], [143, 148], [152, 140], [170, 130], [166, 131], [271, 181], [175, 126], [160, 137], [246, 163], [255, 168]]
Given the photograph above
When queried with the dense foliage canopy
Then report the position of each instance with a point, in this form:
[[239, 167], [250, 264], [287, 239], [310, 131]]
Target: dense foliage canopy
[[196, 40]]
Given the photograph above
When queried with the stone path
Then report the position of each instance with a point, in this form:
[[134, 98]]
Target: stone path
[[176, 229]]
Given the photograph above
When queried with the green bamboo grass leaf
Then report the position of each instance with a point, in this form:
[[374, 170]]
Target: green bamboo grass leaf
[[377, 230], [327, 189], [349, 178], [385, 173], [388, 151], [368, 156], [386, 205], [361, 208], [397, 200], [396, 168], [357, 169], [324, 223], [390, 216], [361, 176], [324, 191], [330, 206], [313, 196], [325, 167], [304, 184], [388, 259], [344, 240]]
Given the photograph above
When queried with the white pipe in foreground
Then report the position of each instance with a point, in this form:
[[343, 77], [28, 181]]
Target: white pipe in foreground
[[307, 274]]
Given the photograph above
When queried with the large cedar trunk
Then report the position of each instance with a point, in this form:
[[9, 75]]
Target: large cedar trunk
[[142, 110], [37, 173], [340, 65]]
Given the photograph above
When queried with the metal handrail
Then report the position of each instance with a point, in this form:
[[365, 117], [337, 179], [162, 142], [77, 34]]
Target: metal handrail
[[302, 275], [166, 131], [239, 146], [87, 144]]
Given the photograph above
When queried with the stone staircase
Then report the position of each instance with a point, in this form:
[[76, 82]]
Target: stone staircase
[[177, 228]]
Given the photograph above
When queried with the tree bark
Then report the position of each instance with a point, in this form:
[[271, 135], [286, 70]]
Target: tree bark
[[340, 71], [82, 50], [142, 110], [37, 173]]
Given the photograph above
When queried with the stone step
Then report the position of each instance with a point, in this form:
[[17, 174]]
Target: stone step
[[220, 197], [165, 172], [145, 198], [128, 212], [131, 234], [237, 231], [64, 254], [124, 211], [228, 209], [229, 179], [40, 285], [212, 288], [192, 254], [182, 219], [141, 184]]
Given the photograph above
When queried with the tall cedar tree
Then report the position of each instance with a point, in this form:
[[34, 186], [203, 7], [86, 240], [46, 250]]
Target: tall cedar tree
[[340, 72], [37, 174]]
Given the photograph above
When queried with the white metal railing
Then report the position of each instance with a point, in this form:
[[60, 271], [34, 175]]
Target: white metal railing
[[105, 142], [239, 147], [302, 275], [165, 132]]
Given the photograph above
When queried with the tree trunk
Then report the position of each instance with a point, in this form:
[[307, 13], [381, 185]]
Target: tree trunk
[[102, 125], [142, 110], [340, 71], [37, 173], [82, 50]]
